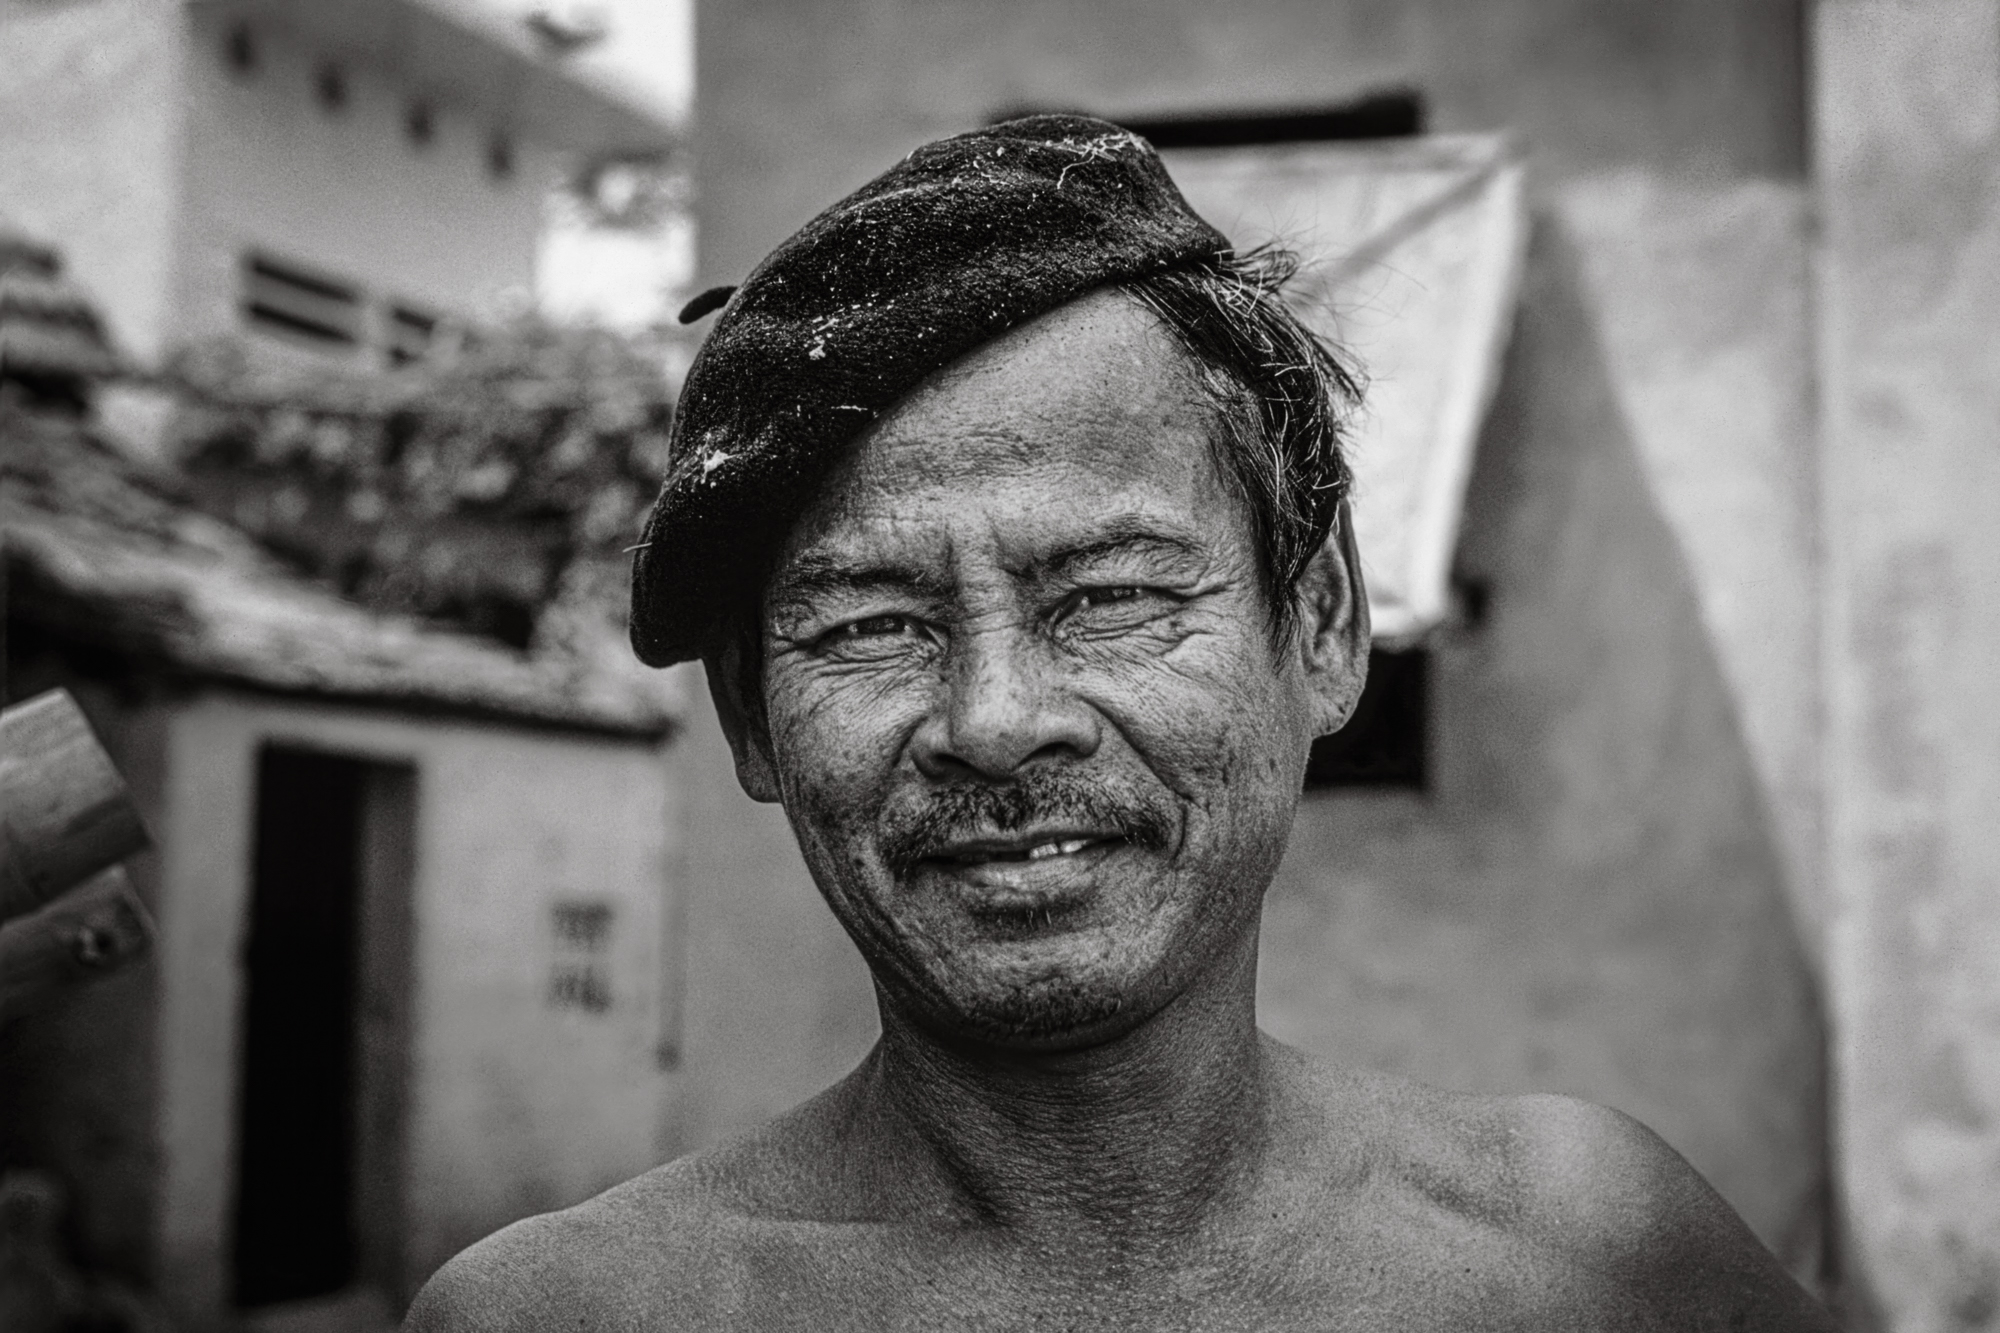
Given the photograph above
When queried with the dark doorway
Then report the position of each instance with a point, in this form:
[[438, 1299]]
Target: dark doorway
[[325, 975]]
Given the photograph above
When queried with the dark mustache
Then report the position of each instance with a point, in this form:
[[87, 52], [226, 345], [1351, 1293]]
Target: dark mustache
[[964, 810]]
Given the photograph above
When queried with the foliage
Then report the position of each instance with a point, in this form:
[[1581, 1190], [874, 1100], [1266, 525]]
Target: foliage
[[475, 490]]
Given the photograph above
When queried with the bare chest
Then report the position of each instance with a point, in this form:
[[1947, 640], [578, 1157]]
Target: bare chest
[[1398, 1277]]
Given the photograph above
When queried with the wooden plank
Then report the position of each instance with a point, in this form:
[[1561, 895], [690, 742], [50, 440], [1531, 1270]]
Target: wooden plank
[[64, 812], [89, 932]]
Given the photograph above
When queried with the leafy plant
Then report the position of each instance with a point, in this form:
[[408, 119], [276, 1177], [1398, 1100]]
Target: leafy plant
[[479, 489]]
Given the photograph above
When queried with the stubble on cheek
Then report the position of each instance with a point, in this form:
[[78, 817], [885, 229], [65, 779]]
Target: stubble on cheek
[[837, 742], [1201, 745]]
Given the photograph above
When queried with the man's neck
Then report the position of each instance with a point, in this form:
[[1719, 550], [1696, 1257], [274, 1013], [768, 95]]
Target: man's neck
[[1130, 1145]]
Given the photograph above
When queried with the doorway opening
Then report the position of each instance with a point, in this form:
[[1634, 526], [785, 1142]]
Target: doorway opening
[[324, 1049]]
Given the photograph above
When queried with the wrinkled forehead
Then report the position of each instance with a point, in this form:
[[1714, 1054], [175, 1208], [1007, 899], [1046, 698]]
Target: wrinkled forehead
[[1086, 379], [1084, 427]]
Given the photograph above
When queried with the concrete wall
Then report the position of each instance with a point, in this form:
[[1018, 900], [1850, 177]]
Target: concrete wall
[[269, 167], [90, 154], [1700, 293], [515, 1106], [802, 100], [1907, 145]]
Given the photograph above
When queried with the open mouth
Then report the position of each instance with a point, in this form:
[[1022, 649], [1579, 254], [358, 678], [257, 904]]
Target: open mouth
[[1024, 887]]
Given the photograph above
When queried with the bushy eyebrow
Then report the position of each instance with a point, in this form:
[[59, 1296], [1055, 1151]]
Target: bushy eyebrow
[[815, 574], [1127, 537]]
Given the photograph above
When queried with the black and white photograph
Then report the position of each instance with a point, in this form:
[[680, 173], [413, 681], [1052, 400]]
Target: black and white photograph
[[1016, 666]]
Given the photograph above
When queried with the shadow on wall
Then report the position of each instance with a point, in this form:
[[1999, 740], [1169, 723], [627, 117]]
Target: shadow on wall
[[1590, 899]]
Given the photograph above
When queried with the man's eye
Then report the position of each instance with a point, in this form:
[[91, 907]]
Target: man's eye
[[873, 627], [1112, 606], [873, 634], [1090, 597]]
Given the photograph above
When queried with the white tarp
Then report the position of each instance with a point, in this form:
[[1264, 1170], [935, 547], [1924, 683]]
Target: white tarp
[[1412, 256]]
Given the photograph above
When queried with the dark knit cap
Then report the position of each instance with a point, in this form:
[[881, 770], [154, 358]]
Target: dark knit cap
[[962, 240]]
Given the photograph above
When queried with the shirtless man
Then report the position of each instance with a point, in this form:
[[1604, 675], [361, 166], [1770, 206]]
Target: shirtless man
[[1006, 512]]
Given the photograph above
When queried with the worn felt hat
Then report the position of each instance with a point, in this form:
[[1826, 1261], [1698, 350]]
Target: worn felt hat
[[962, 240]]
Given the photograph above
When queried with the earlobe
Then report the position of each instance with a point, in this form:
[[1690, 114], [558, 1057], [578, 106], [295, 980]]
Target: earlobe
[[1334, 626], [742, 724]]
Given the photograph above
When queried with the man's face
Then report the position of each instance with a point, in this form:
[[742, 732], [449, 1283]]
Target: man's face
[[1022, 701]]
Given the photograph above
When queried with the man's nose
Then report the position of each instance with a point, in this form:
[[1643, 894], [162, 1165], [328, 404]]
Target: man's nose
[[1006, 702]]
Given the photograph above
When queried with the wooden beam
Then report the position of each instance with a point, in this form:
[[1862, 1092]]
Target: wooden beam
[[89, 932], [64, 811]]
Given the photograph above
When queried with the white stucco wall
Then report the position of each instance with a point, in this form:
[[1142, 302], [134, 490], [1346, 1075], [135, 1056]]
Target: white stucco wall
[[89, 149], [1700, 294], [346, 191], [1907, 119], [514, 1106]]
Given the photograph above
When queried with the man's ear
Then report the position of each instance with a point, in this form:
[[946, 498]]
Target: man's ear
[[742, 722], [1334, 631]]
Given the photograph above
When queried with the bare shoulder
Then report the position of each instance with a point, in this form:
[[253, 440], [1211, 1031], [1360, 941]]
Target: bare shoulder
[[1605, 1214], [702, 1242], [618, 1260], [1609, 1193]]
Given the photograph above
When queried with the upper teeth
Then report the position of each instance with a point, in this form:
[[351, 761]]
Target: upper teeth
[[1048, 849]]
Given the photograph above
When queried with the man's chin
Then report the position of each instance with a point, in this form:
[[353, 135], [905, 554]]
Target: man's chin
[[1051, 1011], [1058, 1021]]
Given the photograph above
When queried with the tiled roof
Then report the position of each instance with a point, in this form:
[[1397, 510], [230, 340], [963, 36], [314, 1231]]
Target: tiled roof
[[102, 551], [47, 326]]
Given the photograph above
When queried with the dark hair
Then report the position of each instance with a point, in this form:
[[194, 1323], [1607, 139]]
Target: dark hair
[[1282, 396]]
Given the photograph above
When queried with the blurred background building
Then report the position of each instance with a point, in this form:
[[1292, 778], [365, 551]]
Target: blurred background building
[[1674, 784], [413, 976]]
